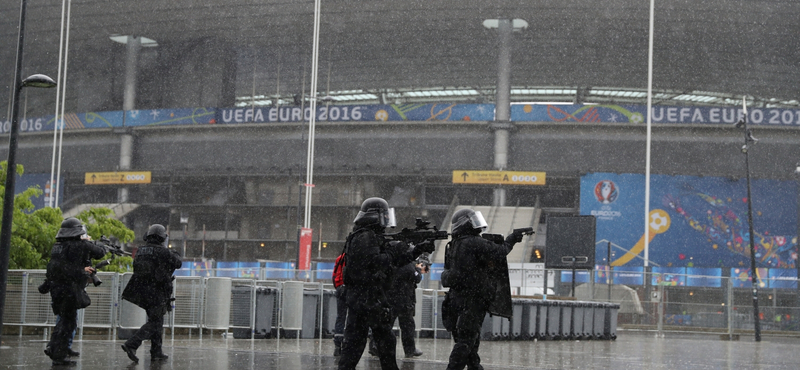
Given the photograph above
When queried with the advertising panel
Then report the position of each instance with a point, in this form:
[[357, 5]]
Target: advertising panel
[[343, 113], [42, 181], [693, 221], [162, 117], [304, 257], [661, 114]]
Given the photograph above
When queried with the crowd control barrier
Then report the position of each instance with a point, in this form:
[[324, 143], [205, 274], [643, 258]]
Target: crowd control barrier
[[257, 309]]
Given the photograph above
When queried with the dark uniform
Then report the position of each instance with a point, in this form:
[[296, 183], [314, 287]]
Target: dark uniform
[[468, 272], [403, 300], [151, 289], [67, 279], [369, 266]]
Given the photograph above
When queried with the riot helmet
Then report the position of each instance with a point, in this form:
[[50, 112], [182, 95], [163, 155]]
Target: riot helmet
[[375, 211], [71, 228], [468, 221], [156, 234]]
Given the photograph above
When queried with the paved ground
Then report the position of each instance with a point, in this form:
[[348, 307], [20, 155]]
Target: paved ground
[[632, 350]]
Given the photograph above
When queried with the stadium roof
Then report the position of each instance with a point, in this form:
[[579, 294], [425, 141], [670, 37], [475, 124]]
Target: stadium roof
[[705, 52]]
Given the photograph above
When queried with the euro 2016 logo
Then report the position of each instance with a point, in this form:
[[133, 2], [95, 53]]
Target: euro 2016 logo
[[606, 191]]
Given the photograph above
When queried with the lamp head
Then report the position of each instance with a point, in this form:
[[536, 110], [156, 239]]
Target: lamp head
[[38, 80]]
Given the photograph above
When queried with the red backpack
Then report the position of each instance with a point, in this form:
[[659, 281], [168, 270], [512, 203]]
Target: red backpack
[[338, 271]]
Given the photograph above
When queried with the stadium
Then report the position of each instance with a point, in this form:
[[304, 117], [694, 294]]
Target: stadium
[[212, 101]]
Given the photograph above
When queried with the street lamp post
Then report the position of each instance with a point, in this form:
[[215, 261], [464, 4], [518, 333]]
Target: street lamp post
[[797, 237], [36, 80], [748, 141]]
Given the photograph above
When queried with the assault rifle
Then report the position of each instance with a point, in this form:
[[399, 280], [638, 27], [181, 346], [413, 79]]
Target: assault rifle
[[422, 232], [109, 247]]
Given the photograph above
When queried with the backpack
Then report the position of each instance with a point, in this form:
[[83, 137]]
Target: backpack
[[338, 271]]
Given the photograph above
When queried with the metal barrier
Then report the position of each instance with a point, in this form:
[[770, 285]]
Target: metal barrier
[[724, 307]]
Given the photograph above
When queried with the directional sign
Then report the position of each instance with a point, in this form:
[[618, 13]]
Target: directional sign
[[498, 177], [108, 178]]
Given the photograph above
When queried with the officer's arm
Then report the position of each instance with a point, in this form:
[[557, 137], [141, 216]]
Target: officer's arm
[[370, 249], [95, 251], [176, 261], [417, 275]]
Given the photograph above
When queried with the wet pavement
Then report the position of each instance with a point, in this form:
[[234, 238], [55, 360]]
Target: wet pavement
[[632, 350]]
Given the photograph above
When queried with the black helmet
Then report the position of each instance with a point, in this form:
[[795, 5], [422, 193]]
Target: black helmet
[[156, 234], [375, 211], [71, 228], [468, 221]]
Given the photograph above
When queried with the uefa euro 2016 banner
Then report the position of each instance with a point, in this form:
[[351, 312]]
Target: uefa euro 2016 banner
[[411, 112], [693, 221]]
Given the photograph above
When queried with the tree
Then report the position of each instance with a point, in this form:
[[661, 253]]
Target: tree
[[33, 232], [99, 224]]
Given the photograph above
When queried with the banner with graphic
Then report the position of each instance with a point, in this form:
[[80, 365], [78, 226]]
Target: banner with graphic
[[693, 221], [437, 112], [661, 114], [42, 181], [339, 113], [163, 117]]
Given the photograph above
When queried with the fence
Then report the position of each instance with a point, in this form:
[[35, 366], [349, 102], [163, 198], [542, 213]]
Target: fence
[[647, 301]]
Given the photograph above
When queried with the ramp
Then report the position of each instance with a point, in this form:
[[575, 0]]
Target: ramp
[[120, 209]]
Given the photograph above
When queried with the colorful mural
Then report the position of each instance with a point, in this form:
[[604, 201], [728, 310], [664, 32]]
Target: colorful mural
[[693, 222]]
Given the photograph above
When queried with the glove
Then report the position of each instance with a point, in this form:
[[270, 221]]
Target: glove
[[424, 247], [514, 238]]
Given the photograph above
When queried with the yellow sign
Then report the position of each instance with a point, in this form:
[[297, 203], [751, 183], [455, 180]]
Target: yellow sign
[[107, 178], [498, 177]]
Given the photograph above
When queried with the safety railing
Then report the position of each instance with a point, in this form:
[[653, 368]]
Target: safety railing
[[723, 304]]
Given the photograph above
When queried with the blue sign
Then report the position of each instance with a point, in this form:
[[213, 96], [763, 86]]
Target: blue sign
[[42, 181], [660, 114], [693, 221], [416, 112], [162, 117], [669, 276], [782, 278], [342, 113], [704, 277]]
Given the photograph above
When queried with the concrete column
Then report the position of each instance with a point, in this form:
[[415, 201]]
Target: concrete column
[[502, 104], [134, 45], [125, 155], [503, 97]]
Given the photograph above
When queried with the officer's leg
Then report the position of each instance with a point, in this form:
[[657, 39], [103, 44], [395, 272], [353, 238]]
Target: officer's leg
[[466, 336], [156, 315], [145, 332], [59, 340], [385, 341], [355, 339], [407, 331], [474, 361], [341, 314]]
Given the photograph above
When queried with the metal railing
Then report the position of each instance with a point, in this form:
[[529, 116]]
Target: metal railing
[[718, 304]]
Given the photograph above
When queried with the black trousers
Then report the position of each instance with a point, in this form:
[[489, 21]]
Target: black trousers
[[341, 315], [65, 326], [463, 317], [151, 330], [357, 326], [407, 329]]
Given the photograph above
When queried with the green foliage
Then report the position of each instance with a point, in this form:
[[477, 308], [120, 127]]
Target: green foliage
[[98, 224], [34, 232]]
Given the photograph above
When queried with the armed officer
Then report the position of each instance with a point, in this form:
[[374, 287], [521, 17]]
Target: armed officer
[[403, 299], [469, 268], [370, 261], [67, 276], [150, 288]]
